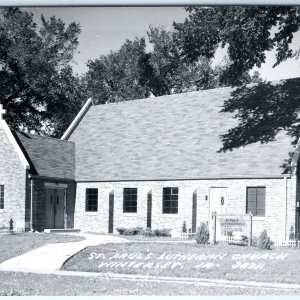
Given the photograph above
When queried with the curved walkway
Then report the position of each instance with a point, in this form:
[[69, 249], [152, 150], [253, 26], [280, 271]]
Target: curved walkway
[[52, 256]]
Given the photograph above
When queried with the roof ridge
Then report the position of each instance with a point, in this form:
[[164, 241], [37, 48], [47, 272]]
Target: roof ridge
[[193, 92], [162, 96]]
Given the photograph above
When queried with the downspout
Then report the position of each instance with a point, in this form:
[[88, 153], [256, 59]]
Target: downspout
[[285, 205], [31, 201]]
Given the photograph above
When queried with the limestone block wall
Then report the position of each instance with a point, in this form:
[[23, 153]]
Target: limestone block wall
[[13, 177], [274, 220]]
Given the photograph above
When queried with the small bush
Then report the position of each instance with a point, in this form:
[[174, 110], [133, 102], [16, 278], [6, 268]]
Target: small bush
[[121, 230], [129, 231], [202, 234], [133, 231], [184, 229], [162, 232], [264, 241], [148, 232], [292, 233]]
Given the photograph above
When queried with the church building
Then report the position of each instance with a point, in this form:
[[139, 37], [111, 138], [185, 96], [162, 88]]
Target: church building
[[147, 163]]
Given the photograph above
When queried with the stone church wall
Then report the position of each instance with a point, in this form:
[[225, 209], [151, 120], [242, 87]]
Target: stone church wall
[[235, 202], [13, 177]]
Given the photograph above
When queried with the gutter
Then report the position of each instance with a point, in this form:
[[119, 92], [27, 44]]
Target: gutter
[[31, 201], [285, 207]]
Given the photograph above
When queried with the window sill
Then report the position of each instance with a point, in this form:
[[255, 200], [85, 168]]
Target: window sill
[[92, 213], [169, 215], [129, 214], [1, 210], [258, 218]]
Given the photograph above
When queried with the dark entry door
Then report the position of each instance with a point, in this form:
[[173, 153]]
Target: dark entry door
[[55, 206], [111, 212]]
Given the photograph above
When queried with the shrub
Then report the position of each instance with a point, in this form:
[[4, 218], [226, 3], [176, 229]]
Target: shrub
[[184, 229], [129, 231], [133, 231], [148, 232], [202, 234], [162, 232], [264, 241], [292, 233], [121, 230]]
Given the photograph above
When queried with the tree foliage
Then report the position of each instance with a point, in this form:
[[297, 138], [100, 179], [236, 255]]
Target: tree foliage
[[116, 77], [244, 30], [248, 32], [263, 110], [37, 85], [139, 70]]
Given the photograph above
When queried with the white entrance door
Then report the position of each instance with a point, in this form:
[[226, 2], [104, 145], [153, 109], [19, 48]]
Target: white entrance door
[[217, 203]]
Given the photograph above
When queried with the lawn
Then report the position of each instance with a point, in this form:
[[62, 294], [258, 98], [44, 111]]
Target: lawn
[[12, 245], [17, 284], [190, 260]]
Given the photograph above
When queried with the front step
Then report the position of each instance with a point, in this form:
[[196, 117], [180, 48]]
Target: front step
[[63, 230]]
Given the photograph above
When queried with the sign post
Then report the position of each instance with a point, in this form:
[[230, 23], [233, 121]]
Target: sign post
[[250, 229], [214, 227]]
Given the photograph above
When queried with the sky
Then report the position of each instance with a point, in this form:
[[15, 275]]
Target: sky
[[105, 29]]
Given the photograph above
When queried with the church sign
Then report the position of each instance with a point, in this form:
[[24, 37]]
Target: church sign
[[234, 226]]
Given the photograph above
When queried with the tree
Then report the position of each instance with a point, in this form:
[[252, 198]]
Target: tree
[[244, 30], [168, 73], [248, 32], [36, 82], [263, 110], [116, 77], [134, 72]]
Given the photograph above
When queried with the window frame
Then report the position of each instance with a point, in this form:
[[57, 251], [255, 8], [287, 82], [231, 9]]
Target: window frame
[[255, 213], [130, 204], [87, 204], [1, 196], [172, 209]]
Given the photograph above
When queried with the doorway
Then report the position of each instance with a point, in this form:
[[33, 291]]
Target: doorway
[[55, 208], [217, 203]]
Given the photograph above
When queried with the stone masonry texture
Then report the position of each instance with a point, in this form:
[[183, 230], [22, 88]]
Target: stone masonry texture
[[13, 177], [273, 221]]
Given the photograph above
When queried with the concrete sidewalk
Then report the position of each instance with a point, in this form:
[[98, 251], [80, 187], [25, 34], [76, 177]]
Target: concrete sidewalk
[[52, 256]]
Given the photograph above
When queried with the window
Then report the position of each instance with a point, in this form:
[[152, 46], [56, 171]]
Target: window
[[1, 196], [130, 200], [91, 200], [256, 198], [170, 200]]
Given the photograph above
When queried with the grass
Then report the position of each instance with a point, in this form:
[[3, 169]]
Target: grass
[[12, 245], [267, 269], [19, 284]]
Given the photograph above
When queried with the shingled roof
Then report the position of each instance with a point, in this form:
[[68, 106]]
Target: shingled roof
[[47, 157], [169, 137]]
